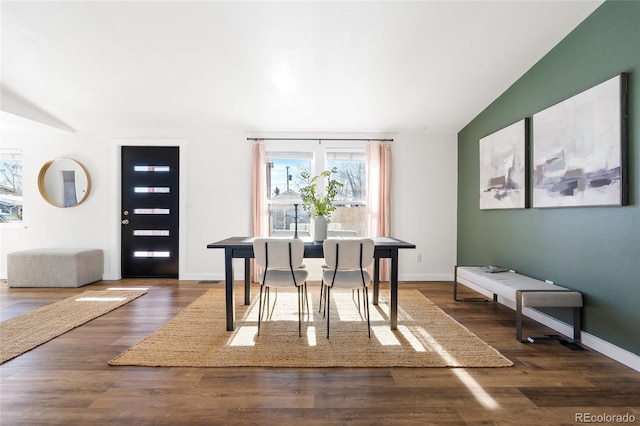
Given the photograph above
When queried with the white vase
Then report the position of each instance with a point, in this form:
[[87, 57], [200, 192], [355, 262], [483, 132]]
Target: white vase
[[320, 229]]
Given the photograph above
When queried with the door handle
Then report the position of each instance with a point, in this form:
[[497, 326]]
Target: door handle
[[125, 222]]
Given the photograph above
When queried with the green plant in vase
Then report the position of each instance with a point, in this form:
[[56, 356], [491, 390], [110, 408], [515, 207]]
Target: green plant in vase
[[319, 205]]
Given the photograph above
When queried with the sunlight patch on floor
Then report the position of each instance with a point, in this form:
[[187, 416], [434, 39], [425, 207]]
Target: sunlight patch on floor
[[402, 314], [252, 313], [380, 311], [430, 342], [411, 338], [347, 306], [282, 307], [100, 299], [244, 336], [385, 336], [311, 336], [478, 392], [128, 288]]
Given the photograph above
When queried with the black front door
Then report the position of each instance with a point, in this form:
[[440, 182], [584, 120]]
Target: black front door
[[149, 239]]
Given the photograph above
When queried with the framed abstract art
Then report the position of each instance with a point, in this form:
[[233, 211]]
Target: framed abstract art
[[579, 149], [503, 178]]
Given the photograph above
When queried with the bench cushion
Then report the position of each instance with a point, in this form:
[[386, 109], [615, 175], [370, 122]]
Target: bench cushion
[[54, 267], [557, 299]]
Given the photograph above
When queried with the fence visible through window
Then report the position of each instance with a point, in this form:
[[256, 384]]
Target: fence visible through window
[[283, 183]]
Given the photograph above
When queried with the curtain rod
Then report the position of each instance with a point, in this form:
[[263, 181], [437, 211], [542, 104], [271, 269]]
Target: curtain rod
[[319, 139]]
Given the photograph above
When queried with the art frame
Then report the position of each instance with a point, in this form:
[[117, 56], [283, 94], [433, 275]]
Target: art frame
[[579, 149], [503, 167]]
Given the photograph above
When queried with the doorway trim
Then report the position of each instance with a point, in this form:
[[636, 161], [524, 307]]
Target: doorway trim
[[116, 201]]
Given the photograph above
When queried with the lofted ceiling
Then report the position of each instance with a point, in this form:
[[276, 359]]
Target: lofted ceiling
[[297, 66]]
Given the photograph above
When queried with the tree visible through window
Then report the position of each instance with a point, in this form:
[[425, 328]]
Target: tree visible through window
[[350, 213], [285, 162], [10, 186]]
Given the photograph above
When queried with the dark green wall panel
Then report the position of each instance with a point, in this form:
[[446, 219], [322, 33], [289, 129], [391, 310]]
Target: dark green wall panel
[[592, 249]]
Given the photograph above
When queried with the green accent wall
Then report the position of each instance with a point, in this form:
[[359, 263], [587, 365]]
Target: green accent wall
[[595, 250]]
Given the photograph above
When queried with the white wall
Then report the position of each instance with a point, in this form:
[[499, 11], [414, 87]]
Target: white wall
[[424, 204], [48, 226], [216, 187]]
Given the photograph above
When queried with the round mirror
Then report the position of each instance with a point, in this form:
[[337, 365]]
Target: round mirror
[[64, 182]]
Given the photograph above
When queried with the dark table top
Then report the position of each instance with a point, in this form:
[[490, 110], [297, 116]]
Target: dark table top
[[245, 242]]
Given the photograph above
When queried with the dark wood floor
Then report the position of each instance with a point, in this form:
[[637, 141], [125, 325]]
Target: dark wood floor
[[68, 381]]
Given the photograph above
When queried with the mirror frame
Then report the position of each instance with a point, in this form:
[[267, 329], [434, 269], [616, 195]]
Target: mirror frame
[[42, 187]]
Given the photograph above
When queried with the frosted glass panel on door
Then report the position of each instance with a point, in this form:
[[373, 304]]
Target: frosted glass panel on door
[[151, 254], [151, 168], [151, 232], [152, 189], [152, 211]]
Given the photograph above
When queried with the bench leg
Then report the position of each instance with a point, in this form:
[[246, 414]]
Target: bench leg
[[577, 324], [577, 314], [519, 317], [455, 283], [466, 299]]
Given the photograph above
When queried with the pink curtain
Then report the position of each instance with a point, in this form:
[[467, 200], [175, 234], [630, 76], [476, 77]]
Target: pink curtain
[[260, 213], [378, 158]]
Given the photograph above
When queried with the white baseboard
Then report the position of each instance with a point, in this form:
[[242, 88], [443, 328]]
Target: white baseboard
[[614, 352], [208, 277], [425, 277], [110, 277]]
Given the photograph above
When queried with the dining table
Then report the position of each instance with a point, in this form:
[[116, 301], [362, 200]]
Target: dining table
[[242, 248]]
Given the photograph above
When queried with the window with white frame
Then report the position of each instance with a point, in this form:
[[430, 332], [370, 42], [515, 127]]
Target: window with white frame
[[287, 159], [10, 186]]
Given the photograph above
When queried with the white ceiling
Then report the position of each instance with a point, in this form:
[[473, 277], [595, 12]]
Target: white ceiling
[[296, 66]]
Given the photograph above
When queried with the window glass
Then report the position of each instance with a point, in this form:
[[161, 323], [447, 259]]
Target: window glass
[[351, 173], [10, 186], [283, 181], [283, 174], [285, 162], [350, 214]]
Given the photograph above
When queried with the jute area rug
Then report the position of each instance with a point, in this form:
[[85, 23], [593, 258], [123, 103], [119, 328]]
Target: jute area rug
[[426, 337], [25, 332]]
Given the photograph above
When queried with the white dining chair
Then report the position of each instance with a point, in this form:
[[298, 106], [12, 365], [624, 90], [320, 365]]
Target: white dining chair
[[281, 259], [346, 260]]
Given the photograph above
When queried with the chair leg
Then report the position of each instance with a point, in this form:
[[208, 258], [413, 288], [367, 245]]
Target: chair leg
[[306, 299], [275, 301], [266, 301], [321, 294], [270, 309], [365, 293], [299, 288], [259, 309], [327, 302], [323, 300]]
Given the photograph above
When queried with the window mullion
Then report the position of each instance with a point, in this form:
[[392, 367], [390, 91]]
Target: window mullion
[[319, 161]]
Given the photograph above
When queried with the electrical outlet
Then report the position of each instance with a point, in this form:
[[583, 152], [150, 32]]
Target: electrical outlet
[[419, 257]]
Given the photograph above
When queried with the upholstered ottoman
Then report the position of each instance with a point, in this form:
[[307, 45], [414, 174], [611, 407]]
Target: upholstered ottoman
[[54, 267]]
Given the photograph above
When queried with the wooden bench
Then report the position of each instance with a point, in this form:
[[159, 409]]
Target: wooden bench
[[524, 291]]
